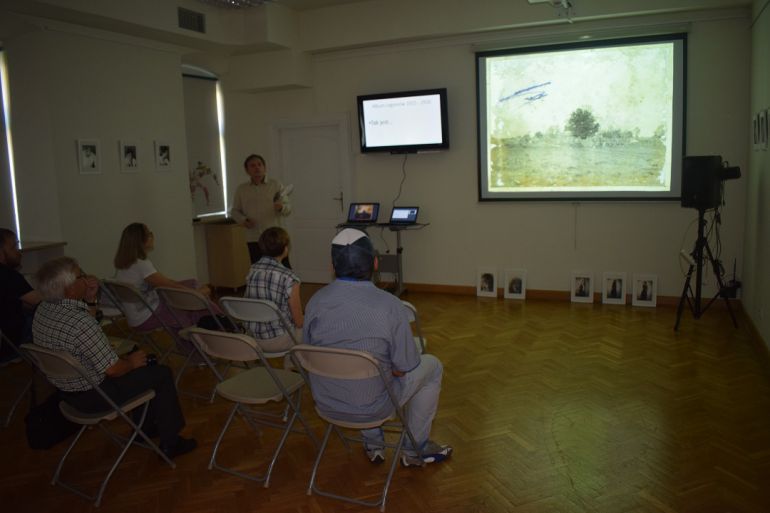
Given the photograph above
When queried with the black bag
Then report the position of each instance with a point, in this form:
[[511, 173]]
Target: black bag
[[209, 323], [46, 425]]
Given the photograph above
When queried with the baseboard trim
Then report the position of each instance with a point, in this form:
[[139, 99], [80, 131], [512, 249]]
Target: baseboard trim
[[543, 295]]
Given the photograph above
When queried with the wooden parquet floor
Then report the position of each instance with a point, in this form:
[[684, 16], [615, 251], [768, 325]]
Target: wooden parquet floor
[[550, 406]]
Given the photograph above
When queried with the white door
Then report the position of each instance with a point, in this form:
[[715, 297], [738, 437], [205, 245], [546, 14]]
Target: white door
[[314, 156]]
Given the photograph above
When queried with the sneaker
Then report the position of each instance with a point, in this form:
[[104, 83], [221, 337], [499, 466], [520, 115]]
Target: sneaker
[[376, 456], [180, 447], [431, 453]]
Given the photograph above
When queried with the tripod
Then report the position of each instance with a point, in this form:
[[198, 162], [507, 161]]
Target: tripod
[[696, 265]]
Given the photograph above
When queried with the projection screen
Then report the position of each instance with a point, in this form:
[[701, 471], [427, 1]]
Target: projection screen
[[585, 121]]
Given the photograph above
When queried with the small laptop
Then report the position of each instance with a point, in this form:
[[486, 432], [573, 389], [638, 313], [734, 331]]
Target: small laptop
[[363, 213], [404, 215]]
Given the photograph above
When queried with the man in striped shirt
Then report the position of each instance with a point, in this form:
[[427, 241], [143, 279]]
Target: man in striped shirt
[[352, 313]]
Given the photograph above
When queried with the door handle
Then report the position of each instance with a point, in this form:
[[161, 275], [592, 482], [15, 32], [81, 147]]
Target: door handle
[[341, 200]]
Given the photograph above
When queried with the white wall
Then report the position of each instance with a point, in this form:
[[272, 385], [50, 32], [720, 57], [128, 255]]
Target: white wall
[[76, 83], [68, 84], [550, 240], [756, 284]]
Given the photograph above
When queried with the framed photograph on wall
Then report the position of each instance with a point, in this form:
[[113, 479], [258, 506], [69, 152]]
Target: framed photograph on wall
[[614, 288], [163, 156], [89, 156], [128, 153], [645, 291], [486, 282], [582, 288], [515, 284]]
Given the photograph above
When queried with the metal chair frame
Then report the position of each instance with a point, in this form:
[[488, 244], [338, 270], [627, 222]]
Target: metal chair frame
[[27, 384], [245, 309], [188, 300], [120, 294], [59, 364], [277, 384], [419, 339], [351, 365]]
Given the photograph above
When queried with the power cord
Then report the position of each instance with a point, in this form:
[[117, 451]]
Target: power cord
[[403, 179]]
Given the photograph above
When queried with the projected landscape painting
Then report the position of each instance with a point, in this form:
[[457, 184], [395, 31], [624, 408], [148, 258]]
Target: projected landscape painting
[[592, 119]]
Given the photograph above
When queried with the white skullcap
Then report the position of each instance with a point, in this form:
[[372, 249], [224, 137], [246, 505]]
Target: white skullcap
[[347, 237]]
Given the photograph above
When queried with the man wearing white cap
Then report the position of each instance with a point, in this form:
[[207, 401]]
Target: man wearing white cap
[[352, 313]]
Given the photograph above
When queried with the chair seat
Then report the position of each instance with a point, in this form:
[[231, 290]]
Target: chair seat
[[255, 386], [78, 417], [276, 347], [367, 424], [121, 345], [110, 312]]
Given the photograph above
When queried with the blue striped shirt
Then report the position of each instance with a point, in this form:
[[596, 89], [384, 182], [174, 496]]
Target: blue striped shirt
[[357, 315]]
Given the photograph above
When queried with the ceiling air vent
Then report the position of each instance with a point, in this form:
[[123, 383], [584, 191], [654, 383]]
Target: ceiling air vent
[[192, 20]]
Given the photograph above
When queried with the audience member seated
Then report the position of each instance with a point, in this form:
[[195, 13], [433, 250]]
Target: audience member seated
[[63, 322], [17, 298], [135, 268], [352, 313], [269, 279]]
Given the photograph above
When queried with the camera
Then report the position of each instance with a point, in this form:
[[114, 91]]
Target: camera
[[152, 359]]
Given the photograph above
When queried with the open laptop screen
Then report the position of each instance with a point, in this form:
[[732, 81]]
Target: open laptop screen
[[404, 215], [363, 212]]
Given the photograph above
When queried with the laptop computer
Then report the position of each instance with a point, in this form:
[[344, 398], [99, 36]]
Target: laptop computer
[[404, 215], [363, 213]]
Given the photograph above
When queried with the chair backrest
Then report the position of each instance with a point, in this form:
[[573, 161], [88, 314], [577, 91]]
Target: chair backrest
[[54, 364], [330, 362], [123, 292], [256, 310], [411, 311], [183, 299], [62, 365], [235, 347], [108, 300], [187, 300]]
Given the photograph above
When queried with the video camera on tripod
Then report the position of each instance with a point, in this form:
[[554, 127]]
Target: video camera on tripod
[[702, 179]]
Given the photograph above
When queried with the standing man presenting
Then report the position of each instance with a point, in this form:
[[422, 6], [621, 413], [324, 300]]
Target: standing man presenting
[[259, 204], [352, 313]]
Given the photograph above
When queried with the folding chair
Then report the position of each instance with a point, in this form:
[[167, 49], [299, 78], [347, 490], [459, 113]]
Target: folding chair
[[188, 300], [347, 364], [61, 365], [414, 320], [124, 296], [112, 314], [13, 380], [261, 310], [254, 386]]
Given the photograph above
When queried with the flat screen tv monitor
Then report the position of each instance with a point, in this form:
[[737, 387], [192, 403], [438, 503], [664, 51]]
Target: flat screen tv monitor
[[405, 122]]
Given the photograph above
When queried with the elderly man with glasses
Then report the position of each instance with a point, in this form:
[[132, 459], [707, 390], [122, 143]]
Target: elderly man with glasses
[[64, 322]]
